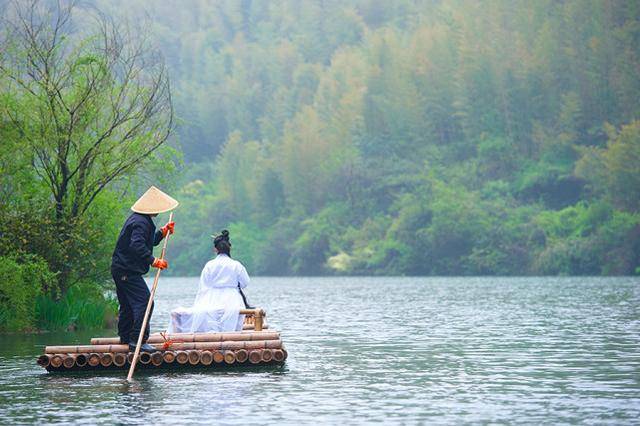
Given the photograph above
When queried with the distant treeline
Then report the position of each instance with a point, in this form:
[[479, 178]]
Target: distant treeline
[[415, 137], [408, 137]]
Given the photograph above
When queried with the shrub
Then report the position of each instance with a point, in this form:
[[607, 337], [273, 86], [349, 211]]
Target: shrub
[[83, 306], [22, 282]]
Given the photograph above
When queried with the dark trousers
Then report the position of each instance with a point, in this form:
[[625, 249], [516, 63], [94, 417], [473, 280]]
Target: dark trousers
[[133, 296]]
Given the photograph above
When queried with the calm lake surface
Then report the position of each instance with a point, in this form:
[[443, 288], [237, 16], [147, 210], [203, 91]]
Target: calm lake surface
[[397, 350]]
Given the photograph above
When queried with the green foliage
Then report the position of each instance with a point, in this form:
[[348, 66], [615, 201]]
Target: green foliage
[[369, 137], [83, 306], [613, 171], [85, 251], [248, 240], [419, 137], [588, 240], [23, 280]]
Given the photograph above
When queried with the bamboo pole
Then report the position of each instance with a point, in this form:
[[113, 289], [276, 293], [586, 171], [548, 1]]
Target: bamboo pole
[[169, 357], [252, 327], [218, 357], [44, 360], [145, 358], [267, 355], [206, 358], [242, 355], [278, 355], [81, 360], [194, 357], [56, 361], [229, 357], [182, 357], [106, 359], [156, 358], [197, 337], [93, 360], [226, 345], [119, 359], [253, 312], [146, 313], [68, 361], [255, 356], [257, 325]]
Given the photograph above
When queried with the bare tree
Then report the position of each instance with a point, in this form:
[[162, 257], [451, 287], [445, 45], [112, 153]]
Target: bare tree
[[91, 103], [88, 102]]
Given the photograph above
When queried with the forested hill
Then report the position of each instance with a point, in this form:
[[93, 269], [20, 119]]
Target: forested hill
[[407, 136]]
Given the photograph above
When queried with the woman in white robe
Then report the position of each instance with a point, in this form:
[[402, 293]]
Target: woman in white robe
[[218, 302]]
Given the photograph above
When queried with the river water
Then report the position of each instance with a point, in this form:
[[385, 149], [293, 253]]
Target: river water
[[396, 350]]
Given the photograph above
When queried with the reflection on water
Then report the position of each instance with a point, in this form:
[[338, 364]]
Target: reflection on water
[[362, 349]]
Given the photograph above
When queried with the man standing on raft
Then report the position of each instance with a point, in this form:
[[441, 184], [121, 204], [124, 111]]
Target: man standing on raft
[[131, 260]]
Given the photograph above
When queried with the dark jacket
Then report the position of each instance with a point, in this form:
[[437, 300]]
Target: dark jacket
[[134, 249]]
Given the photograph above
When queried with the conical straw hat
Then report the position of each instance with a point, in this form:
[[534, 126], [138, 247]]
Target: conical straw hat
[[154, 201]]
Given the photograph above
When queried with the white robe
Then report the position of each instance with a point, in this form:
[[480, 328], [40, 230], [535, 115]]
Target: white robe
[[218, 302]]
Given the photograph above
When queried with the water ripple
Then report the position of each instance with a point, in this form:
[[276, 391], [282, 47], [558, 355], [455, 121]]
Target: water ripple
[[398, 350]]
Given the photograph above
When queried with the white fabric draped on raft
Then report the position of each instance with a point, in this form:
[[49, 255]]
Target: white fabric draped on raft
[[218, 302]]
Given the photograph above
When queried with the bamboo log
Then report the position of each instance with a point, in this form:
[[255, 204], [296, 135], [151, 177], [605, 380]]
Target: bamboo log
[[44, 360], [182, 357], [286, 354], [194, 357], [242, 355], [119, 359], [257, 325], [197, 337], [278, 355], [144, 357], [255, 356], [68, 361], [169, 357], [81, 360], [218, 357], [130, 357], [229, 357], [106, 359], [253, 312], [206, 358], [93, 360], [156, 358], [226, 345], [267, 355], [56, 361], [251, 326]]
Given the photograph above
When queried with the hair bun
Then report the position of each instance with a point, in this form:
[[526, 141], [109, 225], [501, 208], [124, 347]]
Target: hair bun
[[225, 234]]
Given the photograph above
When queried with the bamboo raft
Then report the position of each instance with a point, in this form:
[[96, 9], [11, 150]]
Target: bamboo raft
[[254, 345]]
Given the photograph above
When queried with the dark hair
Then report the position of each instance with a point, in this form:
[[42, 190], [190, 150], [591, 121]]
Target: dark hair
[[222, 244]]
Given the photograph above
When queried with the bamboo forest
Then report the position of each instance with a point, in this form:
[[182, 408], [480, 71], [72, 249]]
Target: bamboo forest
[[412, 137]]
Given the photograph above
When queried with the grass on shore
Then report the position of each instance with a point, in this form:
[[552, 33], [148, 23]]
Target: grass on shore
[[77, 309]]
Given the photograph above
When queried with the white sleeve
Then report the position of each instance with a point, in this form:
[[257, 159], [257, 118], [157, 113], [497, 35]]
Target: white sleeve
[[203, 279], [243, 276]]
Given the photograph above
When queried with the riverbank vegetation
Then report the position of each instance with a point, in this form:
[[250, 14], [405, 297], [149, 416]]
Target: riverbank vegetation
[[83, 111], [330, 137], [408, 137]]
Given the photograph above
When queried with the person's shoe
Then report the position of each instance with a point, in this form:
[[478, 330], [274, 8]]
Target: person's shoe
[[144, 348]]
